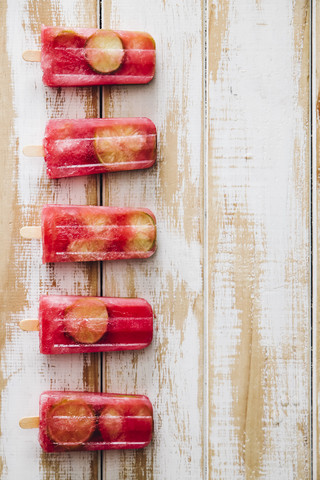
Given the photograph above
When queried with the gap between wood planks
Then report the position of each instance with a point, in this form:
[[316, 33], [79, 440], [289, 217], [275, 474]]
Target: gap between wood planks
[[205, 74], [101, 475], [313, 240]]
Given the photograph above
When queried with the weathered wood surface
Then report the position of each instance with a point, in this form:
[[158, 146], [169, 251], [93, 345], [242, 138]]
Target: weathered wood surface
[[170, 371], [26, 105], [230, 191], [259, 239]]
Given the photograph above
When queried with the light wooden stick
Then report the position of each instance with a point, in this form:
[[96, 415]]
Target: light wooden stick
[[29, 422], [29, 325], [31, 56], [33, 151], [31, 232]]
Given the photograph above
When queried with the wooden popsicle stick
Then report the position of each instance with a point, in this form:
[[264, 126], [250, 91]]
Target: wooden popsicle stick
[[33, 151], [31, 232], [29, 325], [29, 422], [31, 56]]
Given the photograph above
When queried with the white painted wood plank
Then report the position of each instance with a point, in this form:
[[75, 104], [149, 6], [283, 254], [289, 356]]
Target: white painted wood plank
[[170, 371], [259, 239], [26, 373]]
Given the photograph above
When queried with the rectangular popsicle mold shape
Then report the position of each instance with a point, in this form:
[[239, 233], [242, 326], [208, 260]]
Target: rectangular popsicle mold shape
[[75, 324], [72, 421], [89, 56], [72, 233], [98, 145]]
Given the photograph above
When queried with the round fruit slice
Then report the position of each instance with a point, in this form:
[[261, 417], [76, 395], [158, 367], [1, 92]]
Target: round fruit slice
[[68, 39], [104, 51], [118, 143], [139, 424], [70, 422], [97, 220], [83, 246], [142, 415], [140, 41], [86, 320], [111, 423], [141, 411], [144, 233]]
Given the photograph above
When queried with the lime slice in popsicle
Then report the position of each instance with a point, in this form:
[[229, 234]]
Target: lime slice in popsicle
[[144, 233], [104, 51], [70, 422], [111, 423], [118, 143], [86, 320], [83, 245], [96, 220]]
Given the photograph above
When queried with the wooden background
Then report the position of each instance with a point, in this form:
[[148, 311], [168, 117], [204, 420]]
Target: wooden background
[[231, 371]]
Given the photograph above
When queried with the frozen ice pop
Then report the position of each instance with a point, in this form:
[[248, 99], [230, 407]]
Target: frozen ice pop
[[89, 56], [98, 145], [73, 233], [72, 421], [75, 324]]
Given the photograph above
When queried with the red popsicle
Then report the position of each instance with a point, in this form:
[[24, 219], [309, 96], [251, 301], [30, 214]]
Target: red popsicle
[[75, 324], [87, 146], [73, 233], [72, 421], [88, 56]]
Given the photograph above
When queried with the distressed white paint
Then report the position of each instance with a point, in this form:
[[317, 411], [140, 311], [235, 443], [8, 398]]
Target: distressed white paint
[[170, 370], [27, 372], [259, 170]]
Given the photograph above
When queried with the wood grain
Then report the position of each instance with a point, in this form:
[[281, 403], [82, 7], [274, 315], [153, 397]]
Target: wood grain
[[316, 234], [26, 107], [259, 244], [170, 371]]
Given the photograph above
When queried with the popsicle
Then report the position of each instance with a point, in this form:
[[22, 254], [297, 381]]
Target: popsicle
[[97, 145], [70, 421], [72, 233], [89, 56], [75, 324]]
